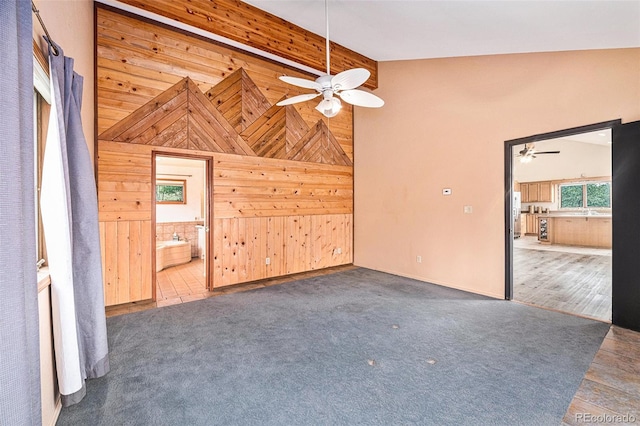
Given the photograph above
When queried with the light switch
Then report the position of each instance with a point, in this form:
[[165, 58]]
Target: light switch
[[468, 209]]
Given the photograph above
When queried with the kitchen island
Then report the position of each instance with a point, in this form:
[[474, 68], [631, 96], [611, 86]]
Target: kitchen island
[[587, 230]]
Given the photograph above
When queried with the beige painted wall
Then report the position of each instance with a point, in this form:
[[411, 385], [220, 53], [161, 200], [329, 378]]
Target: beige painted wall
[[70, 23], [443, 126]]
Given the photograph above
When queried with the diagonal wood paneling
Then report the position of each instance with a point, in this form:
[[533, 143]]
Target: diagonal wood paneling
[[213, 122], [239, 100], [297, 128], [137, 60], [267, 134], [181, 117], [319, 146], [133, 124], [184, 117]]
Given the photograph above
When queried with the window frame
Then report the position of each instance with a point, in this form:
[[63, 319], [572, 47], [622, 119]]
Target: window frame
[[41, 107], [172, 182], [585, 201]]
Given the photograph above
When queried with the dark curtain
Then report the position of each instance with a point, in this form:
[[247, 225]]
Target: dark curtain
[[19, 344]]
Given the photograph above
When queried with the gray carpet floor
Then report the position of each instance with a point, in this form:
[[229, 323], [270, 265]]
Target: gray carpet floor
[[353, 348]]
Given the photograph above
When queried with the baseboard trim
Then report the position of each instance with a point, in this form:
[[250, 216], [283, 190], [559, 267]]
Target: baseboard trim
[[441, 284]]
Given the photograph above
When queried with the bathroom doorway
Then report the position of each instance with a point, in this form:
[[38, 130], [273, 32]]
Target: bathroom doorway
[[181, 221]]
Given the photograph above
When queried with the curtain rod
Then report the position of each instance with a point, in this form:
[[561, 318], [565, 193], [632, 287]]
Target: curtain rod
[[173, 174], [44, 27]]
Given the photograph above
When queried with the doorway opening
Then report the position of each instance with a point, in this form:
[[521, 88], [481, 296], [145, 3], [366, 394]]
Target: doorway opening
[[559, 239], [181, 221]]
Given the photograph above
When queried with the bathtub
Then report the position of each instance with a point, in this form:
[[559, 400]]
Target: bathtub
[[171, 253]]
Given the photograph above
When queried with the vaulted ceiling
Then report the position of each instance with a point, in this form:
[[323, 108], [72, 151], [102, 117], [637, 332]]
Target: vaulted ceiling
[[403, 29]]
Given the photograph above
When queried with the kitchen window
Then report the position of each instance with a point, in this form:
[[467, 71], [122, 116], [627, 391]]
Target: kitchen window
[[585, 195]]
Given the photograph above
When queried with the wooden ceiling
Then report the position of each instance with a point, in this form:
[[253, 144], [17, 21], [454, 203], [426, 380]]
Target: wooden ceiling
[[254, 27]]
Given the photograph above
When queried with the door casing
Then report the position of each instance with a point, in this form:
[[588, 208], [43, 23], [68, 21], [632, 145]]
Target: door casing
[[209, 212], [508, 185]]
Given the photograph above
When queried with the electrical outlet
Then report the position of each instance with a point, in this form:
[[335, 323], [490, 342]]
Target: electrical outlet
[[468, 209], [339, 250], [267, 261], [419, 259]]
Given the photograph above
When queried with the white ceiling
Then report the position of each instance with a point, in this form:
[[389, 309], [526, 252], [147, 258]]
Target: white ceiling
[[581, 155], [386, 30]]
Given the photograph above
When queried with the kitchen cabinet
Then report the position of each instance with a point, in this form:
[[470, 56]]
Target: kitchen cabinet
[[587, 231], [534, 192], [524, 192], [545, 192], [531, 226], [537, 192]]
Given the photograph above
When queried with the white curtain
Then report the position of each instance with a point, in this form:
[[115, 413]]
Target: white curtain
[[70, 219]]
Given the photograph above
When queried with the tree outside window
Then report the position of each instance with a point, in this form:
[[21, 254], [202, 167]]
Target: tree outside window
[[171, 191], [599, 195], [595, 195], [571, 196]]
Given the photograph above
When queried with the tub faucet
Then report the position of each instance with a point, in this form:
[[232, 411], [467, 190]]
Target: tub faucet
[[175, 237]]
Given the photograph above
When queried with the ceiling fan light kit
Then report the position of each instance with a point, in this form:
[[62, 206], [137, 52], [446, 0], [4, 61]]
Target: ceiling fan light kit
[[343, 85], [329, 107]]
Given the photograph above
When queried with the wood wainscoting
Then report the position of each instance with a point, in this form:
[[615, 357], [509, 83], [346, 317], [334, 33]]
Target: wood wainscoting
[[293, 244], [299, 215], [282, 177]]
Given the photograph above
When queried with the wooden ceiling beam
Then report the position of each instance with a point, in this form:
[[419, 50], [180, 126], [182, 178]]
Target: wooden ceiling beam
[[246, 24]]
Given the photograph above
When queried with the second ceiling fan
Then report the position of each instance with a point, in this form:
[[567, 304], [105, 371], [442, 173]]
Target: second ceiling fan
[[529, 152], [343, 85]]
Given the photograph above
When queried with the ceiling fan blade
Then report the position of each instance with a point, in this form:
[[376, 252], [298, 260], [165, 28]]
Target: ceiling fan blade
[[350, 79], [301, 82], [296, 99], [547, 152], [361, 98]]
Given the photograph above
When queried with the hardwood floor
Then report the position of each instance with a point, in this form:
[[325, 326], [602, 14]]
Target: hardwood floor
[[610, 391], [575, 280]]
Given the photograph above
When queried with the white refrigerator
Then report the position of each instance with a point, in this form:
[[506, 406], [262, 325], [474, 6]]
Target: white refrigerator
[[517, 207]]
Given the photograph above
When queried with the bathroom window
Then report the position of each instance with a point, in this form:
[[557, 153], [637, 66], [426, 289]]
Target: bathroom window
[[171, 191]]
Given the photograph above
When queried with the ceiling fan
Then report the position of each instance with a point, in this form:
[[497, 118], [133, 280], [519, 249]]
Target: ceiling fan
[[529, 152], [343, 85]]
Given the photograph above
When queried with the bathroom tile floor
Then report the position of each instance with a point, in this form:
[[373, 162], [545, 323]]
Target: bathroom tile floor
[[181, 283]]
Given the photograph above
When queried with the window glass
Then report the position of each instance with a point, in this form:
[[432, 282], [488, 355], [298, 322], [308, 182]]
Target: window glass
[[41, 109], [571, 196], [599, 195], [592, 195]]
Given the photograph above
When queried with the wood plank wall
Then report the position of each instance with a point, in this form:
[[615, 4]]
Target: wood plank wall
[[297, 213], [293, 244], [246, 24]]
